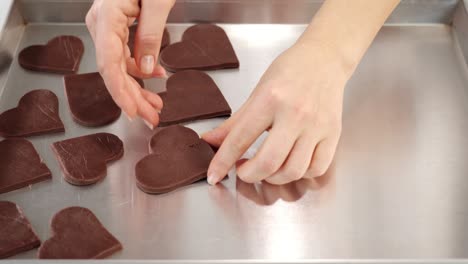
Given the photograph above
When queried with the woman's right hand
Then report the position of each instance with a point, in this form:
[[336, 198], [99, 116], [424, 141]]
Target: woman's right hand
[[108, 22]]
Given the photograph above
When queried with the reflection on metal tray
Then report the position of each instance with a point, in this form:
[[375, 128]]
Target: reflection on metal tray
[[399, 183]]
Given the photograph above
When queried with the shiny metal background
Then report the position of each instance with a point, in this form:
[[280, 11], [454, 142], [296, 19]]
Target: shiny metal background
[[239, 11], [397, 189]]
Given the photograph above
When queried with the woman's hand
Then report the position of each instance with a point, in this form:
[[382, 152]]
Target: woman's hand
[[299, 100], [108, 22]]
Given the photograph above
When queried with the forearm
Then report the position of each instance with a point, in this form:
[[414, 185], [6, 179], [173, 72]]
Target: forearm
[[347, 28]]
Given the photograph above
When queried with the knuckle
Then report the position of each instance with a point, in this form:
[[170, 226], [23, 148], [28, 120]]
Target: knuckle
[[302, 111], [318, 169], [89, 19], [220, 163], [268, 165], [101, 65], [272, 96], [293, 173], [245, 178], [149, 40], [274, 181], [237, 149], [122, 32]]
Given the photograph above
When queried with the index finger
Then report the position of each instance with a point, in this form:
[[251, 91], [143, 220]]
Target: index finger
[[250, 125], [149, 34]]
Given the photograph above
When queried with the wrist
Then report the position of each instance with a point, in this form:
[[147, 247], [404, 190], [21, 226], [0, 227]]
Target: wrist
[[328, 55]]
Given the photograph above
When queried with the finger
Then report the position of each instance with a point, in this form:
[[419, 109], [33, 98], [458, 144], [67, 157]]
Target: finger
[[244, 132], [109, 63], [145, 109], [127, 54], [91, 23], [133, 70], [271, 155], [149, 34], [109, 57], [297, 163], [153, 99], [216, 136], [116, 84], [322, 158]]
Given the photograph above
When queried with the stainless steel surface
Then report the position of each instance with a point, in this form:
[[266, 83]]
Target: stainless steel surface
[[240, 11], [397, 189]]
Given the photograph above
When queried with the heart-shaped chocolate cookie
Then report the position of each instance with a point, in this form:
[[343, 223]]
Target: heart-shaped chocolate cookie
[[20, 165], [78, 234], [83, 159], [203, 47], [61, 55], [178, 158], [166, 39], [17, 234], [89, 100], [192, 95], [37, 113]]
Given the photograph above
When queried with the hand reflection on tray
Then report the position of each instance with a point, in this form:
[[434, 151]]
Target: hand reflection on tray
[[266, 194]]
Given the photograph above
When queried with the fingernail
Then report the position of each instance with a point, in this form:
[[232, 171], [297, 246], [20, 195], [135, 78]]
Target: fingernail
[[159, 111], [148, 124], [128, 117], [147, 64], [212, 178]]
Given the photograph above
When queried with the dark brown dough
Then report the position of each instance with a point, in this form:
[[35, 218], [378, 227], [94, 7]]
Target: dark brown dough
[[166, 39], [178, 158], [61, 55], [78, 234], [89, 101], [20, 165], [37, 113], [192, 95], [84, 159], [16, 233], [203, 47]]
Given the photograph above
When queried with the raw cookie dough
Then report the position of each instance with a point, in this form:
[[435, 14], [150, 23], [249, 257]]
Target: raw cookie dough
[[17, 234], [192, 95], [84, 159], [37, 113], [61, 55], [78, 234], [20, 165], [166, 39], [89, 101], [203, 47], [178, 158]]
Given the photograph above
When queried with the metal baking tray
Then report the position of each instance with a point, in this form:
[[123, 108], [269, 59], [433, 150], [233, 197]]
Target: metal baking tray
[[397, 189]]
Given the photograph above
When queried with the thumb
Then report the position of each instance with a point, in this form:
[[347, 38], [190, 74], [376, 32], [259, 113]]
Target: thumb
[[151, 23]]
